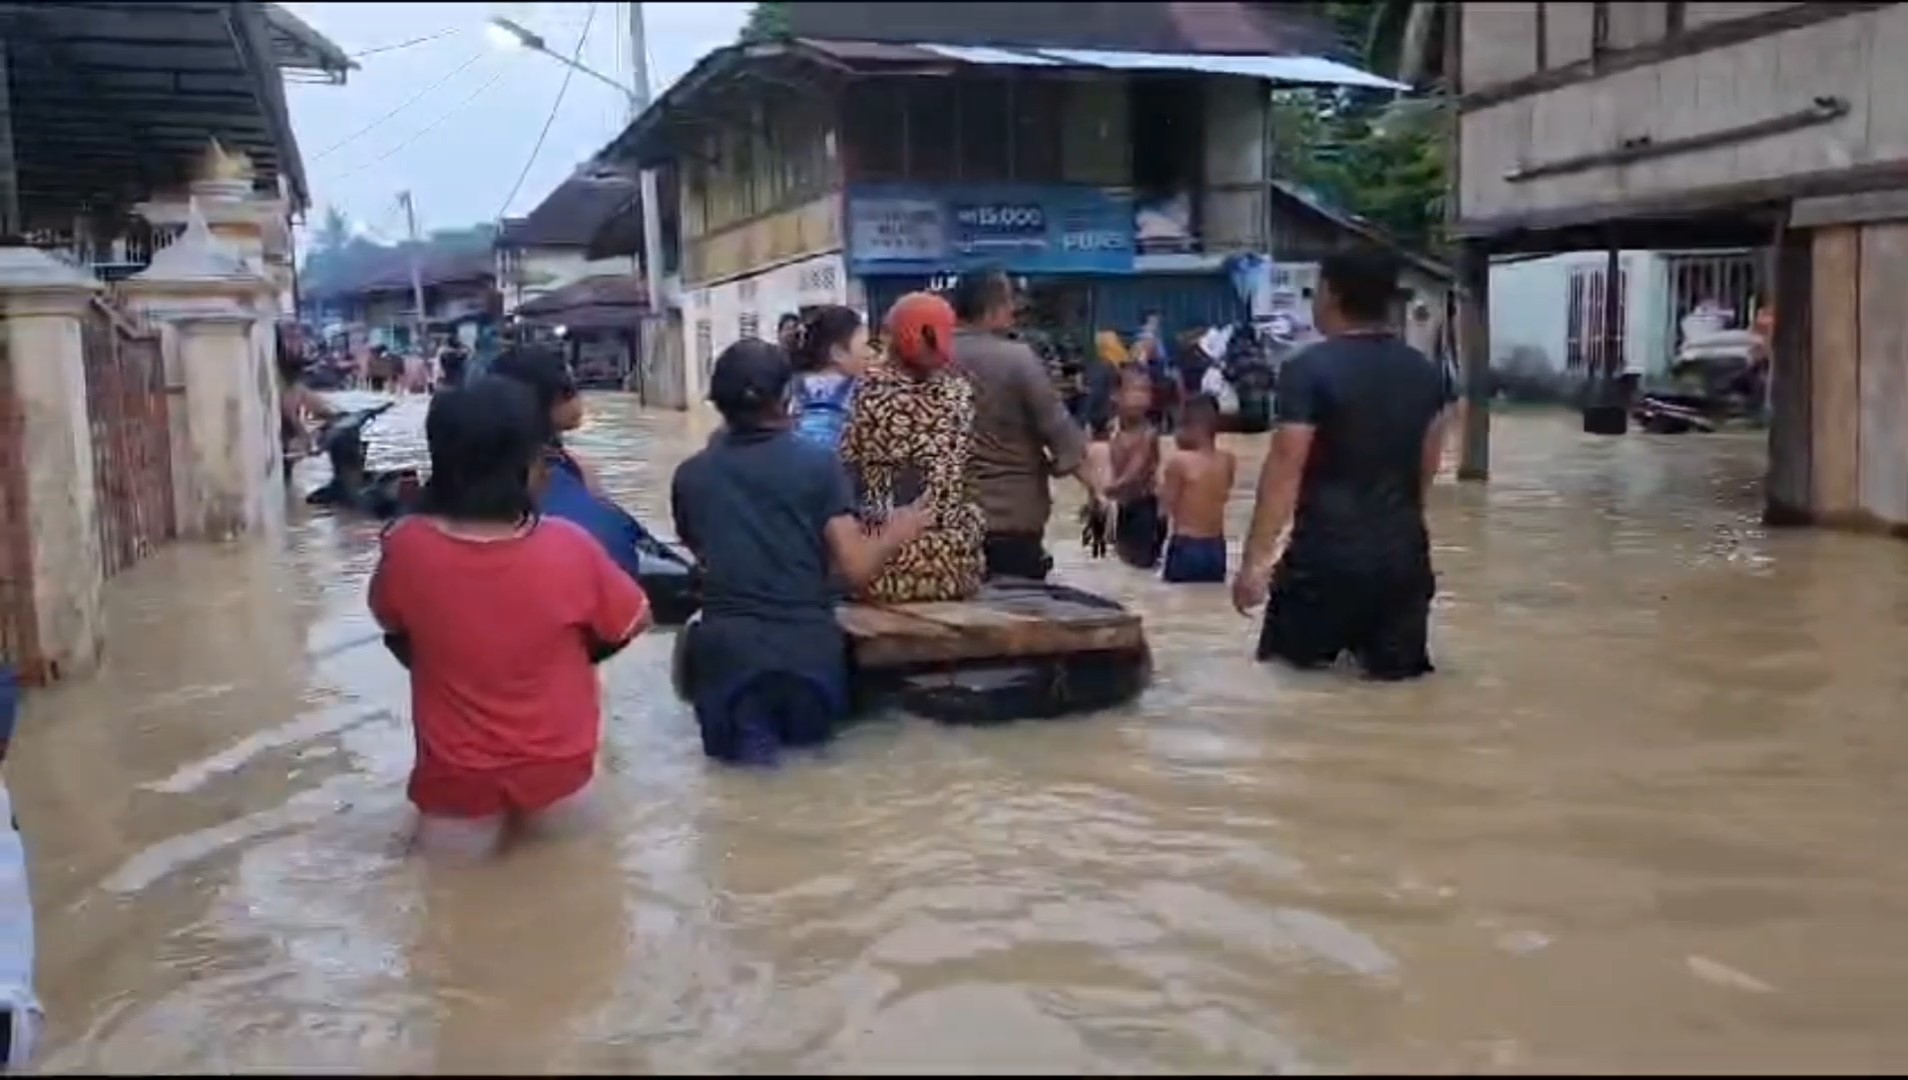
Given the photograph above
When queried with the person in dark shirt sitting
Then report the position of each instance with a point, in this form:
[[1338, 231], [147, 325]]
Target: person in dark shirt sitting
[[1359, 439], [771, 519]]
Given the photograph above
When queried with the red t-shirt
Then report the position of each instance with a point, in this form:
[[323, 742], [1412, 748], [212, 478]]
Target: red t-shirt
[[499, 633]]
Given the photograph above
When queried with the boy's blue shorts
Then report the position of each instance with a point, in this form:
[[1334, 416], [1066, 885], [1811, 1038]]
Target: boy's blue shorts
[[1195, 560]]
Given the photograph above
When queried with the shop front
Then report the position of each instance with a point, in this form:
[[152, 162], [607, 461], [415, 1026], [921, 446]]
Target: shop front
[[1070, 248]]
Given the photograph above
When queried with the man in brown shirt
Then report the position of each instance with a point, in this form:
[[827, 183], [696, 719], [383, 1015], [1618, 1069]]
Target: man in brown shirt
[[1022, 433]]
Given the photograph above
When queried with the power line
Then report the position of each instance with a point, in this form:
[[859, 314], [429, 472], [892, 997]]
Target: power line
[[420, 132], [448, 31], [569, 70], [412, 100]]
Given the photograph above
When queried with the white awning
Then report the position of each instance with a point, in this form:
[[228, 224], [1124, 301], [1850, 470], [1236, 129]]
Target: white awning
[[1290, 70], [981, 54], [1309, 70]]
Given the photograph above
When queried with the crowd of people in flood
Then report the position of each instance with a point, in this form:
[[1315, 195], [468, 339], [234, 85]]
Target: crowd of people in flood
[[918, 472]]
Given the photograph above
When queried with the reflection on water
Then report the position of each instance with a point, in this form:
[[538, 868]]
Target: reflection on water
[[1643, 818]]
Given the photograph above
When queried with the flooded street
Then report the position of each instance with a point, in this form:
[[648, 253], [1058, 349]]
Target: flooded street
[[1643, 818]]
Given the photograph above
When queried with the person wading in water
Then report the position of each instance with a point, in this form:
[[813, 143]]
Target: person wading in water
[[771, 518], [1022, 433], [1359, 440]]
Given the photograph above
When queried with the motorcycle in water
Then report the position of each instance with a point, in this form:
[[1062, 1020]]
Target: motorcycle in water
[[667, 576], [1716, 378], [354, 487]]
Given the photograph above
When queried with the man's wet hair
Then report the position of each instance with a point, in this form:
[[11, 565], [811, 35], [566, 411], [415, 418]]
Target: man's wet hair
[[748, 384], [1200, 411], [483, 438], [979, 292], [1365, 283]]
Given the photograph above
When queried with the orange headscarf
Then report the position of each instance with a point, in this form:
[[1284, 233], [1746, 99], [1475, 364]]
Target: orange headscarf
[[921, 333]]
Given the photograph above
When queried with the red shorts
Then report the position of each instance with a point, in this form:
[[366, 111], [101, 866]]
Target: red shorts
[[442, 790]]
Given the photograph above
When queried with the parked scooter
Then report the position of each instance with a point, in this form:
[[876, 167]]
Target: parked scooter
[[382, 494], [668, 576], [1716, 378]]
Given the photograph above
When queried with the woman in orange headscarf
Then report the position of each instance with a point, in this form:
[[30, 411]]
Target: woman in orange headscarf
[[907, 441]]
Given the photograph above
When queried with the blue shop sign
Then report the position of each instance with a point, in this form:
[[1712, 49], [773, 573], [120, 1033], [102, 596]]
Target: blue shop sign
[[916, 229]]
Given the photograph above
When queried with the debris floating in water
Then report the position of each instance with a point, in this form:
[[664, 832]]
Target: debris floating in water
[[1723, 975]]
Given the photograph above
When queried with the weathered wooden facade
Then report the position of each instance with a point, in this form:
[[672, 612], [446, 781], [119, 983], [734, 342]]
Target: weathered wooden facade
[[829, 169], [1773, 125]]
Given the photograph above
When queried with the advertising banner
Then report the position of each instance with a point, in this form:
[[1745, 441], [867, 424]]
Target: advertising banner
[[916, 229]]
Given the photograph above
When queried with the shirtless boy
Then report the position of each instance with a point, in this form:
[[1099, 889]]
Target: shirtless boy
[[1197, 483], [1134, 454]]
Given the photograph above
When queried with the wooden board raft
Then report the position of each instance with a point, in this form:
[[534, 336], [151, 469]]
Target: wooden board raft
[[1005, 622]]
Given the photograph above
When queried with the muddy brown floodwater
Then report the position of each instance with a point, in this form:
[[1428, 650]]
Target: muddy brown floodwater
[[1646, 816]]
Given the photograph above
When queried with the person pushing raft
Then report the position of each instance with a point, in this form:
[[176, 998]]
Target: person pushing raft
[[771, 518]]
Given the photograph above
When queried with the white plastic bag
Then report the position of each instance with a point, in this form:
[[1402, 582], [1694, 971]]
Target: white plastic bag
[[21, 1009], [1215, 384]]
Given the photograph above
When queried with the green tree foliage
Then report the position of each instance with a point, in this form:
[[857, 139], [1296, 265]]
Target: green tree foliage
[[767, 21], [1381, 158], [334, 231]]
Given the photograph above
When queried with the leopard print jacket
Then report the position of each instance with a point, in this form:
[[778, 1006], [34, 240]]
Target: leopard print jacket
[[900, 424]]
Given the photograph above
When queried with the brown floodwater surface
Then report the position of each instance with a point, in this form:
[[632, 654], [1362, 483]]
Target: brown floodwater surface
[[1644, 817]]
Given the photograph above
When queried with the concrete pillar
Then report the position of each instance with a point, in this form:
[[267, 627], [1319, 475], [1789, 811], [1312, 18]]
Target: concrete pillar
[[45, 302], [210, 301]]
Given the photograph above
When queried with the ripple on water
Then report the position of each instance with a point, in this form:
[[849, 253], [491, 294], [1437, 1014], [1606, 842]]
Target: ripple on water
[[1641, 819]]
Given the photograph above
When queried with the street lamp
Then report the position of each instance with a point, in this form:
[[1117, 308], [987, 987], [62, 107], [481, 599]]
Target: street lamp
[[510, 35]]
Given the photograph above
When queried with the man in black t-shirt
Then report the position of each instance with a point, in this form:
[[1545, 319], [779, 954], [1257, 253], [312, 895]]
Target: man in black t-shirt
[[1359, 439]]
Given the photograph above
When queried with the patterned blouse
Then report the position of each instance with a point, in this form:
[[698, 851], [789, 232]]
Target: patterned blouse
[[901, 428]]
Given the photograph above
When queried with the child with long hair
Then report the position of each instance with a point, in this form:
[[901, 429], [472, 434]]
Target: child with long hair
[[500, 615], [831, 351]]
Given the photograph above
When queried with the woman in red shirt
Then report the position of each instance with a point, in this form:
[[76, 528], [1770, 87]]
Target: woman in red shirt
[[500, 615]]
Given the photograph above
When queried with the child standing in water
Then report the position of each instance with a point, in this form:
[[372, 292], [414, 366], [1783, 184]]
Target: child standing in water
[[1197, 484], [1138, 530], [831, 351], [500, 615]]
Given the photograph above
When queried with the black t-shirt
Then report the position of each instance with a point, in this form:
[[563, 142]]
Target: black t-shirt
[[753, 507], [1371, 400]]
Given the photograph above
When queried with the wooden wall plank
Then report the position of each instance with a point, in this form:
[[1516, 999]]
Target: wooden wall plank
[[1882, 473], [1849, 58], [1567, 32], [1702, 14], [1500, 42], [1789, 498], [1835, 369], [1636, 24]]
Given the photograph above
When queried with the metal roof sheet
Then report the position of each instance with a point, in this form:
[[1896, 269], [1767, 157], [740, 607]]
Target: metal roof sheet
[[1310, 70]]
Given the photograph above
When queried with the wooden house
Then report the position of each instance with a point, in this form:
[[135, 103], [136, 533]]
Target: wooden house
[[1113, 157], [1713, 125]]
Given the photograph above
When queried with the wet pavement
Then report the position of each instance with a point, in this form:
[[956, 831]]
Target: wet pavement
[[1643, 818]]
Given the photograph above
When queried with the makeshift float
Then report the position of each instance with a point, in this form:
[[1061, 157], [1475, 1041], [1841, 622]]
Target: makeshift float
[[1019, 650], [666, 575]]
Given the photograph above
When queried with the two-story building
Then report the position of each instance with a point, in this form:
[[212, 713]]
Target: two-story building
[[1713, 125], [367, 299], [1114, 163], [549, 248]]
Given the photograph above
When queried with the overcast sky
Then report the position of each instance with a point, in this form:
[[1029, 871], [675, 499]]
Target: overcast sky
[[461, 144]]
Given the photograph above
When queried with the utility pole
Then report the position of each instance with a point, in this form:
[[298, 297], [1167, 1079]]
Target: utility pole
[[653, 321], [417, 274]]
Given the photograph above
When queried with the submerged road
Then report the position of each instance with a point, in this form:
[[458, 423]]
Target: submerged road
[[1643, 818]]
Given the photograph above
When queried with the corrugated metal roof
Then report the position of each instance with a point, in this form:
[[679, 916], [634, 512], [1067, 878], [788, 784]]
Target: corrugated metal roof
[[1307, 70], [1239, 29], [979, 54]]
